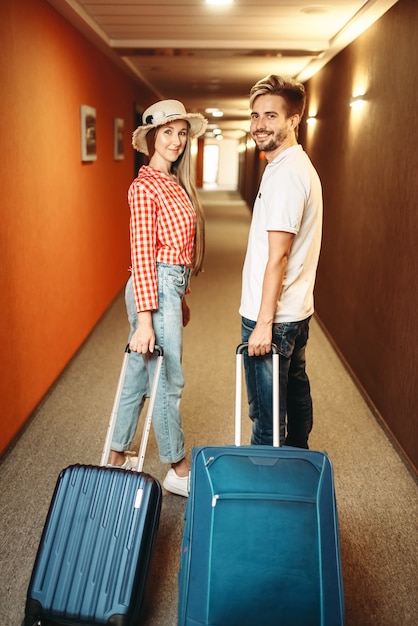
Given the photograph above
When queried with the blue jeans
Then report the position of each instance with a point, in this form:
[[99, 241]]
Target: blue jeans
[[296, 415], [173, 281]]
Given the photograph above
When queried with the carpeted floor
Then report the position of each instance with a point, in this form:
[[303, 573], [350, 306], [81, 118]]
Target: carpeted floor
[[376, 494]]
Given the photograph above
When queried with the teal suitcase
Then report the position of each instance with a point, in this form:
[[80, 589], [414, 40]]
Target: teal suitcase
[[261, 538]]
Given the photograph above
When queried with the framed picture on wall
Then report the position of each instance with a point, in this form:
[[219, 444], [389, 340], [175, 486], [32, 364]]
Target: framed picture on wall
[[88, 133], [118, 149]]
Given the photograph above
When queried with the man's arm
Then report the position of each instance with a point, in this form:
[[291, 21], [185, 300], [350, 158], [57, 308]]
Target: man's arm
[[280, 244]]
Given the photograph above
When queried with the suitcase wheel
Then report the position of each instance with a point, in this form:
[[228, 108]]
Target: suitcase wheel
[[31, 620]]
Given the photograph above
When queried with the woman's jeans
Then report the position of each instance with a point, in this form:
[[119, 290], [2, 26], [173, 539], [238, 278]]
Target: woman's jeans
[[294, 389], [173, 281]]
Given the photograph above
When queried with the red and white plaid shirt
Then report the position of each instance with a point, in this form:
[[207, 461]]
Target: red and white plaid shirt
[[162, 229]]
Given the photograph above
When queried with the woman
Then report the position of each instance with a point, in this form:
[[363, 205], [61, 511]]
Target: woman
[[167, 247]]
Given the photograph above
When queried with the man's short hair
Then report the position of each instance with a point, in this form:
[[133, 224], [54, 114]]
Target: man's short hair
[[292, 92]]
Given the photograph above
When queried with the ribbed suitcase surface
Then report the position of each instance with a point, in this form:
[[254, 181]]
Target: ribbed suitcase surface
[[95, 551], [261, 540]]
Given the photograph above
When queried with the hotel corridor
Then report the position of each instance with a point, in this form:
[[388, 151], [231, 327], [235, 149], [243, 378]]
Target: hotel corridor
[[376, 494]]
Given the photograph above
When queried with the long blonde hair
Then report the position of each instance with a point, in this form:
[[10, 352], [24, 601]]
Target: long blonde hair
[[184, 174]]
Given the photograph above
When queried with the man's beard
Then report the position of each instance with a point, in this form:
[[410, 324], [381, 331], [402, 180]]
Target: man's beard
[[271, 143]]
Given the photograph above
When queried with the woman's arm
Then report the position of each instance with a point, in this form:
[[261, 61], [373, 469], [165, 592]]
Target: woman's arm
[[143, 339]]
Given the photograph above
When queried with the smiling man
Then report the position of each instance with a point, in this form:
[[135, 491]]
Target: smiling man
[[280, 265]]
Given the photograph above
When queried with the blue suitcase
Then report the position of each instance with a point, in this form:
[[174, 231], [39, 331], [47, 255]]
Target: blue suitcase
[[96, 547], [261, 540]]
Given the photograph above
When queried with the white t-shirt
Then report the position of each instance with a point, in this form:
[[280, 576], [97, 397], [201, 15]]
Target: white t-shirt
[[289, 199]]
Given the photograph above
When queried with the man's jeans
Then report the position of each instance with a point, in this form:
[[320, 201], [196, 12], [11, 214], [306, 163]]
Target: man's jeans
[[173, 281], [294, 389]]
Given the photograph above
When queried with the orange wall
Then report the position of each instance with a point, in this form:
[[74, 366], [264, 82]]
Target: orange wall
[[64, 234]]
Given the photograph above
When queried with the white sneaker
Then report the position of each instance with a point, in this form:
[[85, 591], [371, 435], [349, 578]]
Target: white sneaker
[[176, 484], [130, 463]]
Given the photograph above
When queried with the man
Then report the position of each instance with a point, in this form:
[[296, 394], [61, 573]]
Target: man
[[280, 265]]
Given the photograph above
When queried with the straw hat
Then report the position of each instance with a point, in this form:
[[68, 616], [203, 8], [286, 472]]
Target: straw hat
[[162, 113]]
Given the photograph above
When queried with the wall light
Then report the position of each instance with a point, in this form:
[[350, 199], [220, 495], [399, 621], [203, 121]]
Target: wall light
[[358, 101], [250, 143], [311, 119]]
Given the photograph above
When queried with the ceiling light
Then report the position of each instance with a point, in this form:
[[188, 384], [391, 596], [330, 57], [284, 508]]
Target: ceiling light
[[219, 2], [314, 10], [217, 113]]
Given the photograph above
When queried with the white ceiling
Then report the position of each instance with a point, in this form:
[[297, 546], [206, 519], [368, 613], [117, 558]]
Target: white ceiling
[[210, 56]]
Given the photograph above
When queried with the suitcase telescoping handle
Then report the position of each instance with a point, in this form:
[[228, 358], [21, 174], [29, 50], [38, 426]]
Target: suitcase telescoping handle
[[114, 414], [238, 393], [148, 419]]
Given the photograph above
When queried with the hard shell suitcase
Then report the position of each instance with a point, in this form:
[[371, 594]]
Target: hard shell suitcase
[[96, 547], [261, 540]]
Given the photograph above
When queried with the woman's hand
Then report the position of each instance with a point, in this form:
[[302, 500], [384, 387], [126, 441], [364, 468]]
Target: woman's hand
[[186, 312], [143, 339]]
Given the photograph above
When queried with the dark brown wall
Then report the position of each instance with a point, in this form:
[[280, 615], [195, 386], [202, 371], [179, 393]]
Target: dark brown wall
[[367, 286]]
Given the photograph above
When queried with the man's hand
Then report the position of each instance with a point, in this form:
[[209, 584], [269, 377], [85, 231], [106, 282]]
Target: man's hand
[[260, 340]]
